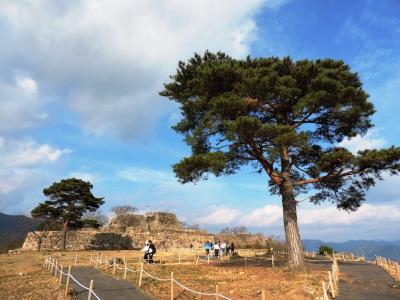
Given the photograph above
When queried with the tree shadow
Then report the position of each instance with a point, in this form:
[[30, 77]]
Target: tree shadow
[[110, 241]]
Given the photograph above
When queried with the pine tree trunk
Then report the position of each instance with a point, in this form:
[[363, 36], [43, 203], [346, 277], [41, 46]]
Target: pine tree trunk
[[289, 204], [293, 241], [64, 240]]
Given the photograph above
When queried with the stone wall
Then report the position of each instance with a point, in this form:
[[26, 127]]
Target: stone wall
[[131, 231], [78, 240], [245, 240], [130, 239]]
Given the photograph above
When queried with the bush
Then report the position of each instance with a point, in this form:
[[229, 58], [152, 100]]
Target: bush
[[325, 249]]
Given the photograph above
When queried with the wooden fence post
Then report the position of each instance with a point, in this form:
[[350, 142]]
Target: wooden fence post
[[113, 272], [172, 285], [76, 258], [90, 290], [53, 260], [55, 269], [331, 284], [67, 283], [273, 261], [61, 273], [208, 259], [125, 270], [141, 275], [325, 295], [216, 292], [262, 295]]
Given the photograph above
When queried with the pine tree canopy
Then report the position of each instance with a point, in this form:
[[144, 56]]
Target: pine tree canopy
[[256, 111], [67, 201]]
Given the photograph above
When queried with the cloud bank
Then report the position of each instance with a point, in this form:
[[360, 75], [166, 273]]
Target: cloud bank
[[109, 59]]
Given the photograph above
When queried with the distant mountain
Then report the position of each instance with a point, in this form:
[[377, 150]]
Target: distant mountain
[[389, 249], [13, 230]]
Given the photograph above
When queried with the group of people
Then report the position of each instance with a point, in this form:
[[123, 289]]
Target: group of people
[[149, 250], [215, 249], [219, 248]]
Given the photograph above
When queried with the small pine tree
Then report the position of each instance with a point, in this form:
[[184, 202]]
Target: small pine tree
[[68, 200]]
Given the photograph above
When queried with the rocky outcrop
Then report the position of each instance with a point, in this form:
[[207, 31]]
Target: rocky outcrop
[[152, 222]]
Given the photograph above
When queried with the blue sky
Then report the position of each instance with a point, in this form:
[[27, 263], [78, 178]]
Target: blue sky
[[79, 83]]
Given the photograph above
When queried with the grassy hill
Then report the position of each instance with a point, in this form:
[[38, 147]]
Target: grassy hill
[[13, 230]]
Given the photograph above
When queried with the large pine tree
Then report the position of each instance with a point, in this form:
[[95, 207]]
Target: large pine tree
[[67, 201], [286, 119]]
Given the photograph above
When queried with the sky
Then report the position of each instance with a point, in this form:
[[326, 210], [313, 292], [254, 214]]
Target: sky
[[79, 84]]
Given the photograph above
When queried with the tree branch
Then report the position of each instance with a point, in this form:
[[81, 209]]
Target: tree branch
[[328, 176]]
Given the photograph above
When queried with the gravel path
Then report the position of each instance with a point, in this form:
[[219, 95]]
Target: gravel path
[[105, 286], [366, 281]]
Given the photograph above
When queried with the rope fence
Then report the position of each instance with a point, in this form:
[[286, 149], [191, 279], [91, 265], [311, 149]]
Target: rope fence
[[391, 267], [329, 287], [99, 261], [333, 278], [52, 264]]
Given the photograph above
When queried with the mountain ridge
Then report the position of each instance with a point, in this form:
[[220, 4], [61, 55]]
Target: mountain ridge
[[368, 248]]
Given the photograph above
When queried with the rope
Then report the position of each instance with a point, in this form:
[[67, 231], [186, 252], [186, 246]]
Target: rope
[[154, 277], [199, 293], [73, 278], [86, 288]]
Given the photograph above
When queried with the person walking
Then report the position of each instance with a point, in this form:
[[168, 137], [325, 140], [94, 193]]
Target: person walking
[[145, 250], [223, 248], [216, 249], [152, 251], [207, 247]]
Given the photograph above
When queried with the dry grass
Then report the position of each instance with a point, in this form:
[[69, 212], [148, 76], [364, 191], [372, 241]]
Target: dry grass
[[234, 280], [22, 276]]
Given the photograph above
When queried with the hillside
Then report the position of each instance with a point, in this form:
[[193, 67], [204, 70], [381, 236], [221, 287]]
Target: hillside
[[13, 230], [389, 249]]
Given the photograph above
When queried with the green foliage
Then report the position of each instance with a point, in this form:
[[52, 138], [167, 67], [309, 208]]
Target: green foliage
[[67, 201], [90, 223], [282, 117], [325, 249]]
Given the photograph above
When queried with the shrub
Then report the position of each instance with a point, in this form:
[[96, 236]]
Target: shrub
[[325, 249]]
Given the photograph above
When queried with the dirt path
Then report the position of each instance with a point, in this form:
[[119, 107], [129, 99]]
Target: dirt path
[[366, 281], [105, 286]]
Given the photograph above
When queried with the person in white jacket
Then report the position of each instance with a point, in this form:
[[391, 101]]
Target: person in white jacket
[[216, 249]]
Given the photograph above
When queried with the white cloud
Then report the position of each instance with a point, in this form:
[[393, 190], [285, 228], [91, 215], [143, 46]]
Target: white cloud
[[367, 213], [21, 160], [271, 215], [143, 175], [20, 105], [110, 58], [27, 84], [84, 176], [218, 216], [371, 140], [264, 216], [16, 153]]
